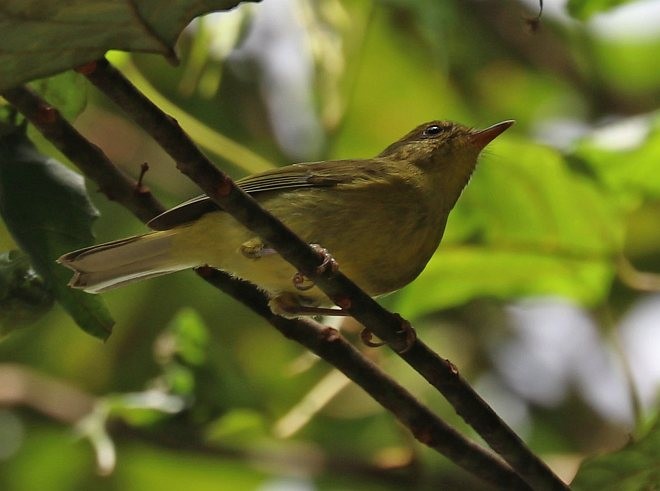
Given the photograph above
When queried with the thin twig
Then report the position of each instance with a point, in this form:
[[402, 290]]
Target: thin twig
[[533, 23], [324, 342], [387, 326]]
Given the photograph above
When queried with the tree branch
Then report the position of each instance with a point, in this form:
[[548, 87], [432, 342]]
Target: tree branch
[[218, 186], [325, 342], [89, 158]]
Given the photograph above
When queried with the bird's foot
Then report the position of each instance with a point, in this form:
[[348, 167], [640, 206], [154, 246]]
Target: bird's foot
[[407, 332], [301, 282], [288, 305]]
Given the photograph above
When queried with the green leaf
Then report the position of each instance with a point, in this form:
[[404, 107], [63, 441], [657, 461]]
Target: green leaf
[[66, 91], [188, 337], [44, 37], [583, 9], [46, 208], [538, 229], [457, 275], [239, 426], [624, 158], [182, 348], [24, 297], [633, 468]]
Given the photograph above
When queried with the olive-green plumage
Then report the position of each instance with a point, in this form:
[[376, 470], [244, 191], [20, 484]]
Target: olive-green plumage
[[381, 219]]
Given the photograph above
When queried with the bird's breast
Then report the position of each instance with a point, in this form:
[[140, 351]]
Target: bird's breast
[[382, 238]]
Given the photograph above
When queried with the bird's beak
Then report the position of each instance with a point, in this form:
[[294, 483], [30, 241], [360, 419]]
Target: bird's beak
[[481, 138]]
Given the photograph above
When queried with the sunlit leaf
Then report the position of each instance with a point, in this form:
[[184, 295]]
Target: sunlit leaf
[[456, 276], [625, 157], [633, 468], [625, 65], [583, 9], [66, 91], [43, 37], [540, 230], [46, 208], [238, 426]]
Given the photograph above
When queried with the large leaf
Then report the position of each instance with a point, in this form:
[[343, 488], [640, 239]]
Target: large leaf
[[626, 157], [47, 210], [44, 37], [457, 275], [583, 9], [633, 468], [540, 230]]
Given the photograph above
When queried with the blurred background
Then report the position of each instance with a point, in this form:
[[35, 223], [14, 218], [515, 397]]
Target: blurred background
[[543, 292]]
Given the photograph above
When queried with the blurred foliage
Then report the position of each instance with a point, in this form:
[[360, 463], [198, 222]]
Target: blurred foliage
[[583, 9], [46, 208], [24, 297], [632, 468], [192, 388]]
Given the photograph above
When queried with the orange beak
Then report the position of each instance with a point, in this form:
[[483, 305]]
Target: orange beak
[[481, 138]]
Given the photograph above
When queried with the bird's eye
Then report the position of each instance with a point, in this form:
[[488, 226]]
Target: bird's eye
[[433, 130]]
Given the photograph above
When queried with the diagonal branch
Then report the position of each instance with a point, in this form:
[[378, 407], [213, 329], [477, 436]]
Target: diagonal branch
[[217, 185], [324, 342]]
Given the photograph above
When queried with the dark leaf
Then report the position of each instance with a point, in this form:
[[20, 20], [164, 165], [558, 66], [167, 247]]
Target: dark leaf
[[44, 37], [635, 467], [46, 208]]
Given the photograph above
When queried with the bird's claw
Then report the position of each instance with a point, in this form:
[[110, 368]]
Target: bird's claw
[[367, 338], [407, 332], [302, 282], [328, 261]]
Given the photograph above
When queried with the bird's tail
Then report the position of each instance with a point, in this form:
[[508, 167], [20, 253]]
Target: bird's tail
[[107, 266]]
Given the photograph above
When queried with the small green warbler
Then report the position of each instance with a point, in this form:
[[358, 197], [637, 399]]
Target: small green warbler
[[381, 219]]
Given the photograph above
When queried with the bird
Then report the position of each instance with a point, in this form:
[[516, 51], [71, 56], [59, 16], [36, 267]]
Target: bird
[[379, 219]]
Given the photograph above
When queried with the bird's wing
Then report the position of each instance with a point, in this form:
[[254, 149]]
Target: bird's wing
[[312, 175]]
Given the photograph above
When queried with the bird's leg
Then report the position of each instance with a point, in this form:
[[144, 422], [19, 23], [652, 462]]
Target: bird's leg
[[288, 305], [301, 282], [255, 249]]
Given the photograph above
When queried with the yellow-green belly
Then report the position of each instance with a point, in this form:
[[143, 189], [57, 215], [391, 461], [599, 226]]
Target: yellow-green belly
[[381, 240]]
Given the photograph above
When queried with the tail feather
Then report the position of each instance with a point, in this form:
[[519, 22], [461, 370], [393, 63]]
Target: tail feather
[[107, 266]]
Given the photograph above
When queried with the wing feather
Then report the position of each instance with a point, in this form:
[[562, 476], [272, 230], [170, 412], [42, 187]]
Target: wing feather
[[310, 175]]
